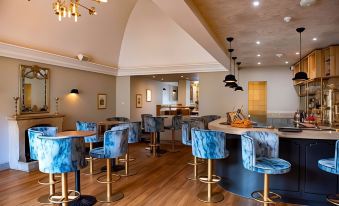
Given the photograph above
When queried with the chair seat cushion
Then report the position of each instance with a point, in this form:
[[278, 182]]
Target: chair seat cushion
[[272, 166], [98, 152], [327, 165]]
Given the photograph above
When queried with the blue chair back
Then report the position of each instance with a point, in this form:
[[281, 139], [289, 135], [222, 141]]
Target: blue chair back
[[61, 154], [88, 126], [116, 142], [256, 144], [209, 144], [176, 122], [119, 119], [186, 130], [209, 118], [33, 134], [336, 156], [154, 124], [143, 119], [133, 130]]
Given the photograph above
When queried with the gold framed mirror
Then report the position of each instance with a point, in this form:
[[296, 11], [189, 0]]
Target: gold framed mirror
[[34, 90]]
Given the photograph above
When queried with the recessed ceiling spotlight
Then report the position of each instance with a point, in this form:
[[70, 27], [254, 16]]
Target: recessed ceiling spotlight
[[256, 3], [162, 79], [287, 19], [314, 39], [258, 55], [297, 53], [279, 55], [259, 63], [182, 76], [305, 3], [257, 42], [286, 62]]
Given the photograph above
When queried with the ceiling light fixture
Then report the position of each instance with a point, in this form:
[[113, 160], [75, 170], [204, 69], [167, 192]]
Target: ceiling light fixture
[[256, 3], [257, 42], [300, 75], [287, 19], [259, 63], [297, 53], [258, 55], [314, 39], [238, 88], [286, 62], [230, 77], [234, 84], [64, 8], [182, 76], [305, 3]]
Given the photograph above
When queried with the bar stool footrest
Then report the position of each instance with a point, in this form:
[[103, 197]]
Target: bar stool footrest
[[57, 198], [334, 199], [192, 163], [215, 179], [43, 181], [87, 171], [99, 179], [259, 197]]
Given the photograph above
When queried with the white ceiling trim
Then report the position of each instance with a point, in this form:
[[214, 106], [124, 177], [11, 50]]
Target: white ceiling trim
[[17, 52], [171, 69]]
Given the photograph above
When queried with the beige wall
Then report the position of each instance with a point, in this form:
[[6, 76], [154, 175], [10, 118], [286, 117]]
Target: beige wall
[[139, 86], [214, 98], [123, 96], [81, 107]]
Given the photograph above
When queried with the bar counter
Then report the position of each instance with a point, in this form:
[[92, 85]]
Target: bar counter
[[305, 184]]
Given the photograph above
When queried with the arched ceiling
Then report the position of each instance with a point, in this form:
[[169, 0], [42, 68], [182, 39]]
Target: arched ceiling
[[154, 41], [32, 24]]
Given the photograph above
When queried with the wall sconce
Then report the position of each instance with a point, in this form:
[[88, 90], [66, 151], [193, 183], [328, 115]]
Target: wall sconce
[[174, 91], [74, 91], [163, 89]]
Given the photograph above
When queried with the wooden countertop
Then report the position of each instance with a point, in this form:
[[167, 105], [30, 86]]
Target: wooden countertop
[[305, 134]]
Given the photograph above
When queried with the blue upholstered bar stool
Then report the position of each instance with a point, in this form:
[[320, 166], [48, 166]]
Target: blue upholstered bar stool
[[133, 137], [62, 155], [33, 134], [154, 125], [209, 118], [118, 119], [187, 140], [176, 125], [115, 145], [210, 145], [331, 165], [260, 153], [89, 126], [143, 120]]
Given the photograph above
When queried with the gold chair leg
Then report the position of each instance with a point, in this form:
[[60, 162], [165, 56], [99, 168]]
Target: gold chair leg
[[127, 172], [64, 188], [209, 196], [109, 197], [90, 170], [66, 196], [195, 170], [265, 196], [173, 142], [44, 199]]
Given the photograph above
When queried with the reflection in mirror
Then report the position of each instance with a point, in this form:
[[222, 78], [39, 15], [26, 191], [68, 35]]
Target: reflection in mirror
[[34, 89]]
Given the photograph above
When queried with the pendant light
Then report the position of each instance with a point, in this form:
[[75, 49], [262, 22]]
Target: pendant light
[[234, 84], [238, 88], [300, 75], [230, 77]]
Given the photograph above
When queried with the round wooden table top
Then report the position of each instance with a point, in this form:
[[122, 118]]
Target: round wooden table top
[[76, 133]]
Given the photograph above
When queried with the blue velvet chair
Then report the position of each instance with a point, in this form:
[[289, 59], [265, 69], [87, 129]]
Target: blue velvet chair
[[62, 155], [209, 118], [210, 145], [33, 134], [115, 145], [331, 165], [133, 137], [89, 126], [153, 125], [187, 125], [118, 119], [260, 153], [143, 120], [176, 125]]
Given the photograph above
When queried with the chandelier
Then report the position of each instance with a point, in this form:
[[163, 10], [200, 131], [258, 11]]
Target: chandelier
[[70, 8]]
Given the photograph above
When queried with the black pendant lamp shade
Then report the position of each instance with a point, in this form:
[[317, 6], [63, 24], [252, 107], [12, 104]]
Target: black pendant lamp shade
[[300, 75], [238, 88], [230, 77]]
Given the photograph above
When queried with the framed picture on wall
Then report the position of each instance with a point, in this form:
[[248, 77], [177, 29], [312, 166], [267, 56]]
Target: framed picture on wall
[[102, 101], [138, 100], [148, 95]]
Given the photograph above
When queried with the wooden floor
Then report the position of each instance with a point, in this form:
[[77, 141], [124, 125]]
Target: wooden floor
[[159, 182]]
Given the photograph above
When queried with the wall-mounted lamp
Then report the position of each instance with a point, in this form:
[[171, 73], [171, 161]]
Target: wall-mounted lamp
[[174, 91], [163, 89], [74, 91]]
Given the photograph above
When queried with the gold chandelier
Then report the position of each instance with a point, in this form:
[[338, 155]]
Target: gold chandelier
[[70, 8]]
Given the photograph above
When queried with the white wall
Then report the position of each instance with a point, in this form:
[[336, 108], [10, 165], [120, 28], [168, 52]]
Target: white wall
[[139, 86], [216, 99], [123, 96], [167, 95], [81, 107]]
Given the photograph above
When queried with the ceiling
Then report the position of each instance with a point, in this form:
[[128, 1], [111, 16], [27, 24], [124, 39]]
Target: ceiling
[[173, 77], [248, 24]]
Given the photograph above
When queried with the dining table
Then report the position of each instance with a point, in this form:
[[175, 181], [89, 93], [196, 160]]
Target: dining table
[[84, 200]]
